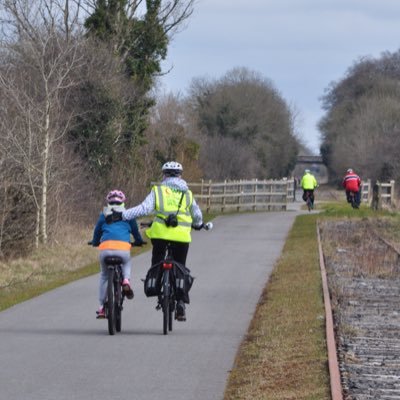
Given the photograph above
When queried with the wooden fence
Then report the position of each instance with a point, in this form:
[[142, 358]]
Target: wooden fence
[[380, 195], [243, 195]]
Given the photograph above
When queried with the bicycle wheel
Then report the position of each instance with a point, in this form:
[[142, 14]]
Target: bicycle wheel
[[166, 302], [353, 200], [309, 204], [171, 312], [118, 302], [111, 302]]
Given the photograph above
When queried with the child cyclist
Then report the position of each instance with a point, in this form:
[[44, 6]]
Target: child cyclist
[[113, 238]]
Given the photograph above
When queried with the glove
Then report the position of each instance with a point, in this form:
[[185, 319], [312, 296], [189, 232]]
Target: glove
[[198, 227]]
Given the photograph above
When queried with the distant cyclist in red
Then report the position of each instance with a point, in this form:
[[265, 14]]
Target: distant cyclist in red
[[352, 183]]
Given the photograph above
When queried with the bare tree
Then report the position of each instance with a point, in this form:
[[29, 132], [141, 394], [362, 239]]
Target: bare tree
[[36, 77], [361, 125]]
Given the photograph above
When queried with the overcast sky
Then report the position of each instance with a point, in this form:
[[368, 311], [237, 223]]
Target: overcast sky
[[300, 45]]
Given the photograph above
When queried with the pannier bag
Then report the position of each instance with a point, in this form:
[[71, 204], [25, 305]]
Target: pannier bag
[[182, 279], [152, 282], [183, 282]]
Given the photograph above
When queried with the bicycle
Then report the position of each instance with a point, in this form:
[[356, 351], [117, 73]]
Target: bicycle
[[113, 305], [167, 299], [308, 200], [168, 284], [353, 200]]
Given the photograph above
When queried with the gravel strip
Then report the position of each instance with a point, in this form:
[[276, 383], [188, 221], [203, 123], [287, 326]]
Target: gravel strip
[[366, 310]]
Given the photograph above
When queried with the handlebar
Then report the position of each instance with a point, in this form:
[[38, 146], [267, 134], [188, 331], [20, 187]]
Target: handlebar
[[206, 226], [133, 244]]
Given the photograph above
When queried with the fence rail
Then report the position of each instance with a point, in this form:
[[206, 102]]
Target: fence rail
[[379, 195], [244, 195]]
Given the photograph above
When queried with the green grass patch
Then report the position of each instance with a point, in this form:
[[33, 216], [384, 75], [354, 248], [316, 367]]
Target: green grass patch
[[284, 353], [344, 210]]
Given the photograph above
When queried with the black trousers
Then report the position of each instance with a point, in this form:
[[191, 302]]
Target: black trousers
[[179, 251], [311, 195]]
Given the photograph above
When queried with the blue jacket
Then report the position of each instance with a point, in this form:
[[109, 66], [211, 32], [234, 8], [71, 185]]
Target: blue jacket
[[120, 230]]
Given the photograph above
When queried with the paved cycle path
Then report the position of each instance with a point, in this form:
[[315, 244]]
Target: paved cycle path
[[53, 348]]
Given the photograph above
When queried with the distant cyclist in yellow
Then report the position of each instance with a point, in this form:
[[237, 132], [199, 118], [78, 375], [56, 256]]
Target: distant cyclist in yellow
[[308, 183]]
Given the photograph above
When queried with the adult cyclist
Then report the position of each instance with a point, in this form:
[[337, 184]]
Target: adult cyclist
[[171, 197], [308, 183], [352, 183]]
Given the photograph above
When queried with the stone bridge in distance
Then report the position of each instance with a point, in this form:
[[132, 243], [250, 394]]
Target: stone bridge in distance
[[314, 164]]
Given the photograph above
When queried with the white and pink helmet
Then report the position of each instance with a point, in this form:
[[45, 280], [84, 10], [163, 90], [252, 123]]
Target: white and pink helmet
[[116, 196]]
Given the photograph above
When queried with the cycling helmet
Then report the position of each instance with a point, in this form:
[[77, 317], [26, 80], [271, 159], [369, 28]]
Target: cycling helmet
[[349, 171], [172, 168], [306, 171], [115, 196]]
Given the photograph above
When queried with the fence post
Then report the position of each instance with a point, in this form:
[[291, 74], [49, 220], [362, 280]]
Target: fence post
[[392, 194], [224, 198], [376, 194], [370, 192], [255, 195], [240, 195], [209, 196], [287, 193]]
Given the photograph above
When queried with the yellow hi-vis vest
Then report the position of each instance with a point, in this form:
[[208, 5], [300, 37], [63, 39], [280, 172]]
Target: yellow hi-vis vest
[[167, 202], [308, 182]]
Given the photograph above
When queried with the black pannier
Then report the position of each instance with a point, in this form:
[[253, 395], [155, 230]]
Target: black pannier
[[183, 282], [182, 279], [152, 282]]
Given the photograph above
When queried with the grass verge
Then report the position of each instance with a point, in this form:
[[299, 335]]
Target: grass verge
[[284, 353], [26, 290]]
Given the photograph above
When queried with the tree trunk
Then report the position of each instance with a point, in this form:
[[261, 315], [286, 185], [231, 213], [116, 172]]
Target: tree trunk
[[46, 154]]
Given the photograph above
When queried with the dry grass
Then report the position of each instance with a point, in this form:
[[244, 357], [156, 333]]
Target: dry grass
[[67, 259], [284, 353], [366, 254], [59, 258]]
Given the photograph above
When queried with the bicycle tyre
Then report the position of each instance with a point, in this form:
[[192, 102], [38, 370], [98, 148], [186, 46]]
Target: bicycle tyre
[[309, 205], [111, 303], [353, 200], [171, 316], [118, 302], [165, 302]]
